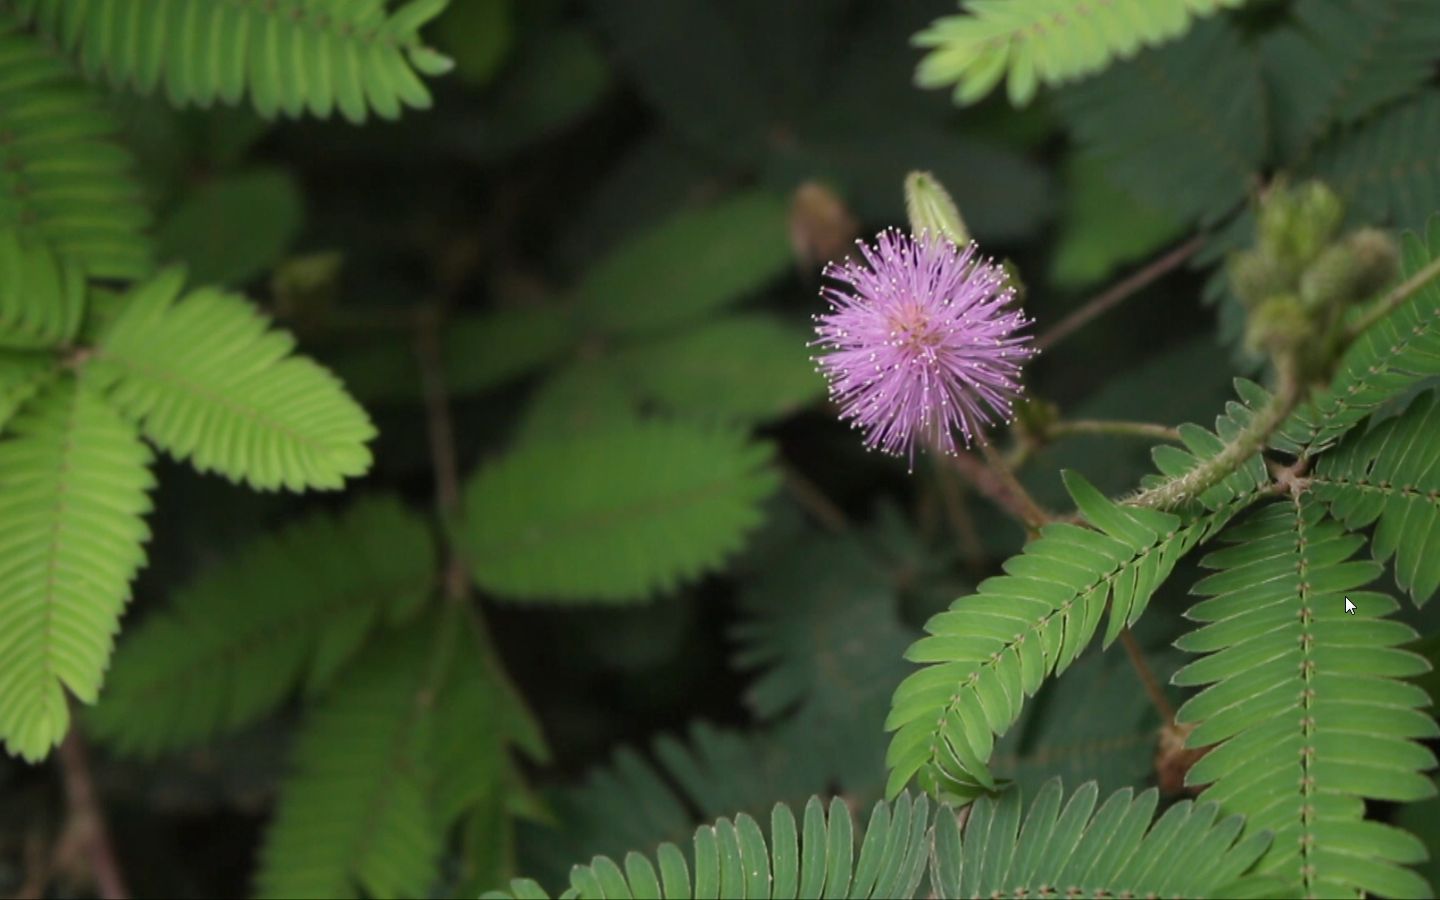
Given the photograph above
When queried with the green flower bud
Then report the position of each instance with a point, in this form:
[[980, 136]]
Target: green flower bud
[[1279, 324], [1297, 223], [1255, 275], [1350, 271], [931, 210]]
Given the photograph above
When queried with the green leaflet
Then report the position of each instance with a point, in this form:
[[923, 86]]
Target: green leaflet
[[1170, 133], [355, 811], [42, 295], [1048, 42], [1302, 695], [1119, 850], [209, 382], [690, 264], [1385, 171], [993, 649], [314, 56], [1344, 59], [63, 177], [748, 367], [231, 229], [1391, 474], [1398, 352], [614, 515], [812, 857], [286, 612], [74, 490]]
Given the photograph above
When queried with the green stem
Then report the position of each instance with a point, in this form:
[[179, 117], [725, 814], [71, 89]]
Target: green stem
[[1251, 440], [1146, 430], [1398, 295]]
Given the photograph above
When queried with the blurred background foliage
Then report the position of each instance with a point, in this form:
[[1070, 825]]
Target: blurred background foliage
[[624, 205]]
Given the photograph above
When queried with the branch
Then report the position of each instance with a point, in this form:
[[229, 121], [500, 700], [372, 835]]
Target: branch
[[1119, 429], [1147, 677], [1251, 440], [87, 817], [990, 485], [1118, 293]]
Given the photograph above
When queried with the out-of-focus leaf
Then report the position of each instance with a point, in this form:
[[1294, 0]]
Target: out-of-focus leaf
[[477, 35], [747, 367], [687, 266], [234, 228], [584, 396], [488, 349], [616, 515], [1102, 227], [551, 83]]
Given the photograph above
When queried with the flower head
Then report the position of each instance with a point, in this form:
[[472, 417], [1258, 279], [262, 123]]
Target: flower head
[[921, 342]]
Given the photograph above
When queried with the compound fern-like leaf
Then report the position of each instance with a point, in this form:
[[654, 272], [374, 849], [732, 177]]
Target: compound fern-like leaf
[[1342, 60], [613, 515], [355, 813], [74, 482], [288, 611], [1303, 707], [990, 651], [290, 56], [1386, 171], [63, 177], [1046, 41], [210, 382], [1170, 130], [42, 296], [1391, 475], [1393, 355], [1119, 850], [21, 375], [815, 856]]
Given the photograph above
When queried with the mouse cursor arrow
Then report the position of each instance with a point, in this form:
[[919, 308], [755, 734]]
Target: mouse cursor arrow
[[1349, 607]]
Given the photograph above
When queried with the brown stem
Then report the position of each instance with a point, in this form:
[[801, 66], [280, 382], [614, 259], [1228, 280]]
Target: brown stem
[[440, 429], [1147, 677], [953, 502], [87, 817], [1118, 293], [988, 484], [808, 494], [1033, 515]]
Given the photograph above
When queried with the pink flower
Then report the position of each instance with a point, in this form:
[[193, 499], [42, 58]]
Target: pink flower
[[920, 343]]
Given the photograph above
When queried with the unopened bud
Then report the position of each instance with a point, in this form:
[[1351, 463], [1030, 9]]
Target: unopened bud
[[1297, 223], [931, 210], [1350, 271], [821, 227], [1277, 325], [1255, 275]]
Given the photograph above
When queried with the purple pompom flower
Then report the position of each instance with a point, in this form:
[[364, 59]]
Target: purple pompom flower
[[920, 342]]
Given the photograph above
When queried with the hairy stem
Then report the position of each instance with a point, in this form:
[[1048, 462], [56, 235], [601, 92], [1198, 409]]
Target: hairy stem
[[87, 817], [1391, 301], [1251, 440], [1118, 293], [1147, 677], [953, 503], [1146, 430], [988, 484]]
